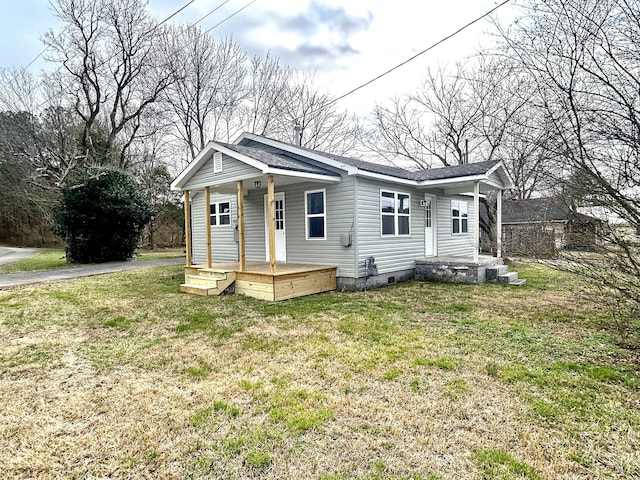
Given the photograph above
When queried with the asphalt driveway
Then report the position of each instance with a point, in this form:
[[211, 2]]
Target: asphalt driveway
[[11, 254], [17, 279]]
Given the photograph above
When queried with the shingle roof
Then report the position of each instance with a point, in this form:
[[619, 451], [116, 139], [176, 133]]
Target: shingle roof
[[282, 161], [455, 171], [539, 210]]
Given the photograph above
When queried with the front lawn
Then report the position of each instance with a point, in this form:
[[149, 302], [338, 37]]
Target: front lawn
[[122, 376]]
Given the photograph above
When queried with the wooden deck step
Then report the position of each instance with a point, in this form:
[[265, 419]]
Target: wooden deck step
[[201, 280], [196, 289], [206, 285]]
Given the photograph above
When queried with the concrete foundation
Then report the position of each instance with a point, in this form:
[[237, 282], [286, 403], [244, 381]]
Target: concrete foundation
[[452, 269]]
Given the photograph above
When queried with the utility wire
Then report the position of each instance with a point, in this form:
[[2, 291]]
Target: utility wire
[[232, 15], [212, 11], [175, 13], [431, 47]]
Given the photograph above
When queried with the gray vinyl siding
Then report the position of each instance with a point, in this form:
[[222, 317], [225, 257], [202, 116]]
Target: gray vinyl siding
[[198, 238], [232, 170], [459, 245], [224, 248], [339, 219], [391, 253], [254, 243]]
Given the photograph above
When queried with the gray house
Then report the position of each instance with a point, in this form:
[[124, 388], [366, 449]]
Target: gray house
[[275, 220]]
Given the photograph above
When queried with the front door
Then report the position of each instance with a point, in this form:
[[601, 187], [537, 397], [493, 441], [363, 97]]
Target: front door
[[429, 226], [281, 238]]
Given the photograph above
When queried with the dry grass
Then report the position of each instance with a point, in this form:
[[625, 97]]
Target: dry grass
[[121, 376]]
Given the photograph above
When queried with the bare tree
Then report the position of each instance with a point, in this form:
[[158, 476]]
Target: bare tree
[[583, 58], [208, 88], [266, 94], [110, 71]]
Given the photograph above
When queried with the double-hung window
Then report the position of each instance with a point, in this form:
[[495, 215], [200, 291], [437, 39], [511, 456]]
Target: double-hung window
[[220, 214], [395, 215], [315, 209], [459, 217]]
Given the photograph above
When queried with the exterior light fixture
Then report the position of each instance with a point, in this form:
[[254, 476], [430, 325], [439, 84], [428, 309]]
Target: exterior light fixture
[[257, 184]]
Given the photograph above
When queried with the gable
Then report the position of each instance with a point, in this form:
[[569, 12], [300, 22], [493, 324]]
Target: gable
[[231, 170]]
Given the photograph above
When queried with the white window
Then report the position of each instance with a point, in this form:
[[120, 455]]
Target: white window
[[459, 217], [220, 214], [217, 162], [394, 213], [315, 209]]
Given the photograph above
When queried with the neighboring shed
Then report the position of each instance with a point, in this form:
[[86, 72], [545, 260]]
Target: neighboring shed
[[539, 227]]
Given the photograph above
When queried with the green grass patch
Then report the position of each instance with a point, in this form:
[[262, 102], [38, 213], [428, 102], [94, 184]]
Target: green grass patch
[[498, 464], [202, 370], [119, 323], [444, 363]]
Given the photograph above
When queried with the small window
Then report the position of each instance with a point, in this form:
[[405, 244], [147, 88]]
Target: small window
[[217, 162], [459, 217], [395, 209], [220, 214], [315, 213]]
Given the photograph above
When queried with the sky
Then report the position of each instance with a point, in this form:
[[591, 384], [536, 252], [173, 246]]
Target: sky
[[346, 43]]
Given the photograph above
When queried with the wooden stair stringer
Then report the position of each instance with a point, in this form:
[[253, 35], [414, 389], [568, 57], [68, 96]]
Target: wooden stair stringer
[[207, 285]]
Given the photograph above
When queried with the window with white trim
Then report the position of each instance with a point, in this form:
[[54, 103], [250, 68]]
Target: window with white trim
[[220, 214], [315, 209], [395, 213], [459, 217]]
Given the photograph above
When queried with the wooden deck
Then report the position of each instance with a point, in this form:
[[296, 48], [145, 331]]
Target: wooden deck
[[290, 280]]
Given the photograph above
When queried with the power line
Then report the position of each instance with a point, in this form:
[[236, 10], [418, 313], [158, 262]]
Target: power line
[[212, 11], [431, 47], [232, 15], [175, 13]]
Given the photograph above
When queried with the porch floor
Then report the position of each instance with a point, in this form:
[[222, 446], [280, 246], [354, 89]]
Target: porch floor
[[289, 281]]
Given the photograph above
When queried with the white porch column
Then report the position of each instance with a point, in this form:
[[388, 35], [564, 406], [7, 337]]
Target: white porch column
[[476, 221], [499, 225]]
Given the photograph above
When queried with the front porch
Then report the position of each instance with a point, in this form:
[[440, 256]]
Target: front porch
[[257, 279]]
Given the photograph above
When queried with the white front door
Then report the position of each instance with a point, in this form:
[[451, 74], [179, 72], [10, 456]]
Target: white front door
[[429, 226], [281, 238]]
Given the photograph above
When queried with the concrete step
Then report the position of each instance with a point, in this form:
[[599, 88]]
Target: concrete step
[[518, 283], [508, 277], [493, 272]]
